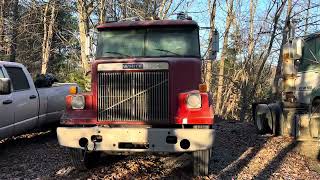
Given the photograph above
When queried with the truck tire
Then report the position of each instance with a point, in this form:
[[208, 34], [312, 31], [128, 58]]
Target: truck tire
[[314, 123], [314, 127], [201, 159], [82, 160], [277, 118], [261, 117]]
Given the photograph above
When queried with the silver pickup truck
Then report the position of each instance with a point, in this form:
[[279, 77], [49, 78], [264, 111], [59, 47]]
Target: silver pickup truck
[[22, 105]]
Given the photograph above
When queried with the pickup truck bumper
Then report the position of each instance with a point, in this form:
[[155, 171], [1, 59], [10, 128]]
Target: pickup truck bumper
[[136, 139]]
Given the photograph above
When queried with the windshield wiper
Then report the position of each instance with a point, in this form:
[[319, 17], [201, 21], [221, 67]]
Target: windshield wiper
[[114, 52], [164, 50]]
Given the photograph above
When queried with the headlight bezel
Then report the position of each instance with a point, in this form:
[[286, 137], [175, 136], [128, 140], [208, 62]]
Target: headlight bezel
[[194, 101], [78, 105]]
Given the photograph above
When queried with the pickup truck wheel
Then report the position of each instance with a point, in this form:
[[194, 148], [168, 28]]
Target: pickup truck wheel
[[201, 162], [82, 160], [201, 159]]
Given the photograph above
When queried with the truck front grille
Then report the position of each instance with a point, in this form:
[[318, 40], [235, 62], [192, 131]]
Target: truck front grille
[[133, 96]]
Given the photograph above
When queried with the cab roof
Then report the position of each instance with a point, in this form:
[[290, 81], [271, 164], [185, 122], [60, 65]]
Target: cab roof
[[147, 24], [312, 36]]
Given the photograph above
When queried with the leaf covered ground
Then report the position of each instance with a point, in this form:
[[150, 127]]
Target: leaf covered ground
[[239, 153]]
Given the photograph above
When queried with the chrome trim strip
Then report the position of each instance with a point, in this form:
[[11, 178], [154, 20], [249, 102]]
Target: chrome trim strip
[[145, 66]]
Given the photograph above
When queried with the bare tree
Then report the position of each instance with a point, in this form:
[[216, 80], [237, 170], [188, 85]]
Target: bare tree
[[2, 27], [102, 11], [307, 17], [15, 16], [85, 8], [244, 73], [49, 16], [164, 8], [209, 63], [229, 19], [286, 30]]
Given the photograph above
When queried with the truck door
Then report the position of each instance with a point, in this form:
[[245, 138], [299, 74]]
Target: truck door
[[25, 99], [6, 112]]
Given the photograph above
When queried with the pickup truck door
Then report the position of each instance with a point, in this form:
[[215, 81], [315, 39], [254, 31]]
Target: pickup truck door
[[6, 112], [25, 99]]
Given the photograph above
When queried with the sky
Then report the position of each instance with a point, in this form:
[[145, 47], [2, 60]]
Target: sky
[[199, 11]]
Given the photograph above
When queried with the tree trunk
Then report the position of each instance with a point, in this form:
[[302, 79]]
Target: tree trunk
[[223, 56], [244, 96], [307, 18], [164, 8], [102, 11], [47, 34], [286, 30], [2, 3], [266, 54], [209, 68], [84, 11], [15, 16]]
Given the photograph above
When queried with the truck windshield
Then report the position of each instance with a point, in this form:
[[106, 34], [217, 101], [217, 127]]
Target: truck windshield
[[153, 42], [311, 55]]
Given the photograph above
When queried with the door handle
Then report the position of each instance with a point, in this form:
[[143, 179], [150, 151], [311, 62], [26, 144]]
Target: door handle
[[7, 101], [33, 97]]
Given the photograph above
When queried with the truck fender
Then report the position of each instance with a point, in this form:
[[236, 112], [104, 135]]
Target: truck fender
[[277, 118], [314, 114], [261, 116], [267, 117], [314, 95]]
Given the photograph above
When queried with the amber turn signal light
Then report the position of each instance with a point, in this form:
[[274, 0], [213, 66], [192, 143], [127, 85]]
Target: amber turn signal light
[[203, 88], [73, 90]]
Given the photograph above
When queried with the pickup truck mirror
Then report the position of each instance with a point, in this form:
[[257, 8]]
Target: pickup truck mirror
[[5, 86]]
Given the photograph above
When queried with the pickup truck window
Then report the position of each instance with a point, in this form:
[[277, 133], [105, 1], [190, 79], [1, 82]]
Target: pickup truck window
[[18, 78], [1, 73]]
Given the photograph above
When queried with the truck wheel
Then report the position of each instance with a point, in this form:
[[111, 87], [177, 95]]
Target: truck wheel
[[201, 159], [314, 123], [277, 118], [201, 162], [262, 116], [82, 160], [204, 127], [314, 127]]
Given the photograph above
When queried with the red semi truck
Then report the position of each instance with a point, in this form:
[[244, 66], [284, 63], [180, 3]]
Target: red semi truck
[[146, 95]]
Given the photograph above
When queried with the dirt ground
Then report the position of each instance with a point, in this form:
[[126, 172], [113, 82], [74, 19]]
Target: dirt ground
[[239, 153]]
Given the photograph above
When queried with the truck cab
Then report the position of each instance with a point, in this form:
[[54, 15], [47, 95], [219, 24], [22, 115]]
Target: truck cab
[[146, 94]]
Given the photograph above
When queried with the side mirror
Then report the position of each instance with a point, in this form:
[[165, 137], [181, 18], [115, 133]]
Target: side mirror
[[214, 48], [5, 86], [297, 46]]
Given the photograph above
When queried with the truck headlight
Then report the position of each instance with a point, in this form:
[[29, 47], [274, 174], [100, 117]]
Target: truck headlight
[[78, 102], [194, 100]]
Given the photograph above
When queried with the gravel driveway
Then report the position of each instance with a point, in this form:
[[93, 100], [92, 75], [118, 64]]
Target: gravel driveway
[[239, 153]]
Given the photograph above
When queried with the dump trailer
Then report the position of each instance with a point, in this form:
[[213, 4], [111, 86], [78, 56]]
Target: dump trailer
[[297, 112], [146, 95]]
